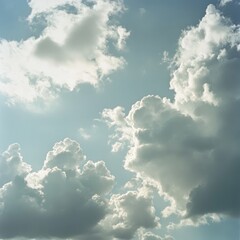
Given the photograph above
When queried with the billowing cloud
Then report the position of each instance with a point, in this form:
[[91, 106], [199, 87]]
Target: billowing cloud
[[190, 145], [69, 197], [60, 200], [71, 49], [12, 164], [132, 211]]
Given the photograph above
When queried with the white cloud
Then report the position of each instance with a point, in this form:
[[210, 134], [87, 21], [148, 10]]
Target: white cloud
[[69, 198], [132, 211], [116, 118], [195, 222], [84, 134], [12, 164], [224, 2], [72, 49], [46, 6], [166, 58], [123, 34], [190, 145], [152, 236]]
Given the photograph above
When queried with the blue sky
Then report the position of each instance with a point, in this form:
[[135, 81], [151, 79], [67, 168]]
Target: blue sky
[[119, 119]]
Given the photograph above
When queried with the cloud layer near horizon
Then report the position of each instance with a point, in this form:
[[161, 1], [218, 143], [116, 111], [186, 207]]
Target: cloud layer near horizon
[[190, 145], [73, 48]]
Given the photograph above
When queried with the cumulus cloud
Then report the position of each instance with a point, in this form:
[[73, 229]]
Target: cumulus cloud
[[71, 49], [190, 144], [132, 211], [61, 200], [12, 164], [69, 198]]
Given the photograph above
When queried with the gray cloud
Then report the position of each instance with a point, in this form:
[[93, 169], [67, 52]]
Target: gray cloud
[[132, 211], [82, 41], [47, 48], [61, 200], [191, 145], [70, 197]]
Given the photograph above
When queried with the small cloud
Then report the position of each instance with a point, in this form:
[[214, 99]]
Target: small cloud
[[123, 34], [84, 134], [224, 2], [117, 146], [132, 211], [166, 58], [142, 11]]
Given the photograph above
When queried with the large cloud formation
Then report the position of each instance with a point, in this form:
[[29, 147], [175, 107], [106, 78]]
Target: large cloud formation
[[60, 200], [73, 48], [191, 145], [69, 198]]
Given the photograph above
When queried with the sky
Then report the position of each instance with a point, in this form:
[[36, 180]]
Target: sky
[[119, 119]]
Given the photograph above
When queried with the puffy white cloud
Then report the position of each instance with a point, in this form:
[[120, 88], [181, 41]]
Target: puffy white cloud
[[72, 49], [191, 145], [132, 211], [12, 164], [123, 34], [67, 149], [68, 198], [166, 58], [207, 62]]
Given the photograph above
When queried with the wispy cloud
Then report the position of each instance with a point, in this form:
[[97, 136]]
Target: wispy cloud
[[224, 2]]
